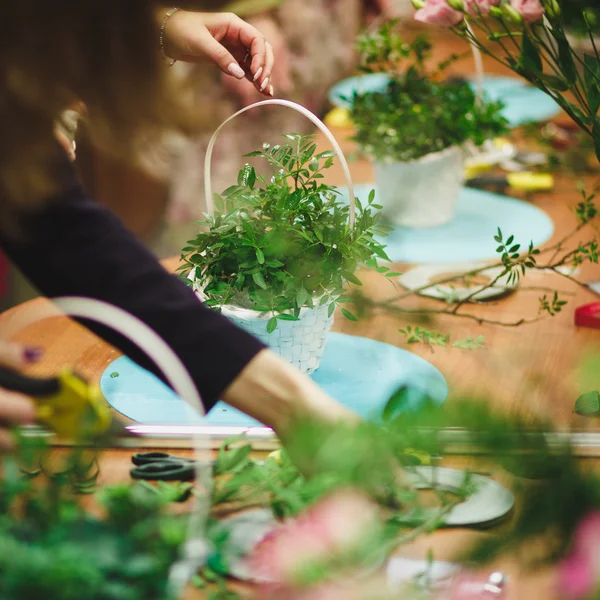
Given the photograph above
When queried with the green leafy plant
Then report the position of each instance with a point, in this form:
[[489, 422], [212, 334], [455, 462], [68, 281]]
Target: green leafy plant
[[416, 114], [51, 547], [280, 241]]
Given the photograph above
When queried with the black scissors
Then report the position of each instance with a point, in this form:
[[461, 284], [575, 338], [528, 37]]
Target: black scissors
[[160, 466]]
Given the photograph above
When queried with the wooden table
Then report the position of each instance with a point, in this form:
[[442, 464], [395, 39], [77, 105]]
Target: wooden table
[[530, 369]]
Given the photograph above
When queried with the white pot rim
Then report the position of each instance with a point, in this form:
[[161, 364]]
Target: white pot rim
[[433, 156]]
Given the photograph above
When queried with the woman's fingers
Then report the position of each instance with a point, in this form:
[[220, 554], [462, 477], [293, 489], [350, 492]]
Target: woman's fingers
[[219, 54], [16, 409], [16, 356], [267, 84]]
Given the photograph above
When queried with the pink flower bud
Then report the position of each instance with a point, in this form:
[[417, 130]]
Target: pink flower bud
[[439, 12], [478, 8], [530, 11]]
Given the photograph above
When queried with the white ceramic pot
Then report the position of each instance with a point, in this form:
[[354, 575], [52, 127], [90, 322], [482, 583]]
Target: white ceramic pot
[[423, 192], [301, 342]]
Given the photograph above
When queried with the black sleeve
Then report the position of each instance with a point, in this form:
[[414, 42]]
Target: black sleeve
[[75, 247]]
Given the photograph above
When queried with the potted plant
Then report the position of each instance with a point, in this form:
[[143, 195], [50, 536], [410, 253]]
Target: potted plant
[[415, 129], [280, 247]]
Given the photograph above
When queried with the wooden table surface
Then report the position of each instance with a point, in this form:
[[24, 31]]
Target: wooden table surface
[[531, 369]]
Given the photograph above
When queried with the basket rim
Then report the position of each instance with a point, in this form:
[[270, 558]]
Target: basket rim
[[249, 314]]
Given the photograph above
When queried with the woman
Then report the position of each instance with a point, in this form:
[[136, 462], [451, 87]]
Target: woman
[[114, 57]]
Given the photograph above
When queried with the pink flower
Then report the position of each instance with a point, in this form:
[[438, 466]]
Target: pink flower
[[578, 573], [372, 588], [480, 7], [332, 527], [529, 10], [439, 12]]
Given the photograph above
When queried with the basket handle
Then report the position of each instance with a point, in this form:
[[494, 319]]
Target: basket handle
[[309, 115]]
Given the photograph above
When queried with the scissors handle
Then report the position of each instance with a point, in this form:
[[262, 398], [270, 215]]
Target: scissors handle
[[38, 388], [145, 458], [164, 471]]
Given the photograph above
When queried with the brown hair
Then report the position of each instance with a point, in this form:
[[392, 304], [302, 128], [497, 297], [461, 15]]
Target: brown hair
[[104, 53]]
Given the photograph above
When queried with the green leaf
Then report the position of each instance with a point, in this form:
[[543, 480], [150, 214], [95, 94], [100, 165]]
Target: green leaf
[[588, 404], [331, 309], [349, 315], [272, 325], [592, 81], [565, 60], [351, 278], [530, 59], [251, 178], [301, 296], [260, 257], [557, 84], [259, 280]]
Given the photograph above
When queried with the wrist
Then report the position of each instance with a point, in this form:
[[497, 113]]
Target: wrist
[[275, 393]]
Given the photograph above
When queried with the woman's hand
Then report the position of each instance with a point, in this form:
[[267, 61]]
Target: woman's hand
[[235, 46], [15, 409], [275, 393], [282, 69], [65, 129]]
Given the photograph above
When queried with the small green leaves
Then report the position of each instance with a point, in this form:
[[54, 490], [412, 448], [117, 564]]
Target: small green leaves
[[470, 343], [348, 314], [259, 280], [588, 405], [551, 306], [420, 335], [301, 296], [272, 325]]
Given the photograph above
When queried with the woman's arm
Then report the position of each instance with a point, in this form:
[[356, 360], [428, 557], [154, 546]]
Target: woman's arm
[[75, 247]]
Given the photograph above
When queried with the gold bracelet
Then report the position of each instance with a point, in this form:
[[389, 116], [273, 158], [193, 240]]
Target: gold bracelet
[[161, 40]]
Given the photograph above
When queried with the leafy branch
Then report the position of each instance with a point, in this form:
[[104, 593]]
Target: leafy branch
[[514, 265]]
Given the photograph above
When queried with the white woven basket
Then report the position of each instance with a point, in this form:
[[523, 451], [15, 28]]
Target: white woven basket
[[300, 342]]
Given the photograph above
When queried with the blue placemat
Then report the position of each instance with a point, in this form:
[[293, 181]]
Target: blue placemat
[[359, 372], [523, 103], [470, 235]]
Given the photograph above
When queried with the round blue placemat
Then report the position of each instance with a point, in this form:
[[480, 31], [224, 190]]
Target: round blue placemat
[[523, 103], [470, 235], [360, 373]]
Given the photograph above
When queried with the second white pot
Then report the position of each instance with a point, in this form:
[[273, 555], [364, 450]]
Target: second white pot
[[423, 192]]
